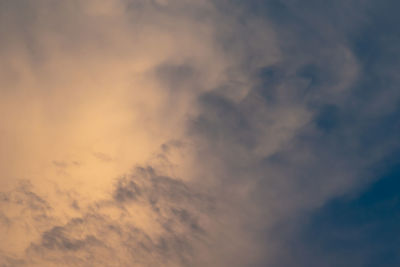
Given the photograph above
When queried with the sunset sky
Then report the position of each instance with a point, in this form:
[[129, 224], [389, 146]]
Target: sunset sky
[[199, 133]]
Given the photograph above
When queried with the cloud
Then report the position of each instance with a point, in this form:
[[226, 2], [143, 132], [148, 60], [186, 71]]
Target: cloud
[[161, 225], [182, 133]]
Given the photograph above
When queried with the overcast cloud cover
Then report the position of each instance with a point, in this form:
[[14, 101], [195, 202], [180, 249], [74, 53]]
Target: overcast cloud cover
[[199, 133]]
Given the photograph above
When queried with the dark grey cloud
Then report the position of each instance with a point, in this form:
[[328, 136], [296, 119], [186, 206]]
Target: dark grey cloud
[[95, 237], [60, 164], [25, 196], [102, 156], [56, 239]]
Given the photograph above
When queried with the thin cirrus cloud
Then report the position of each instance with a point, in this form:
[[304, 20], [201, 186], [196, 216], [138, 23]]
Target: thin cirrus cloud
[[186, 133]]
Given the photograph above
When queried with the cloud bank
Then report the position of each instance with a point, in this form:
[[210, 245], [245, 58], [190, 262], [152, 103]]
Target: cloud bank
[[181, 133]]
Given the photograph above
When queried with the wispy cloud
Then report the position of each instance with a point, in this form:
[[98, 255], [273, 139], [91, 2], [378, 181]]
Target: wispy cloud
[[185, 133]]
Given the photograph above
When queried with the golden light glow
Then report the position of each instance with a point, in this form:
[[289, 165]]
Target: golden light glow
[[86, 95]]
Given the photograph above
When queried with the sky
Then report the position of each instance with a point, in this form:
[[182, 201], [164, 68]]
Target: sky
[[260, 133]]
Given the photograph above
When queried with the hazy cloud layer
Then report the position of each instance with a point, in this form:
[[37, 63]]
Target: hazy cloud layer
[[185, 133]]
